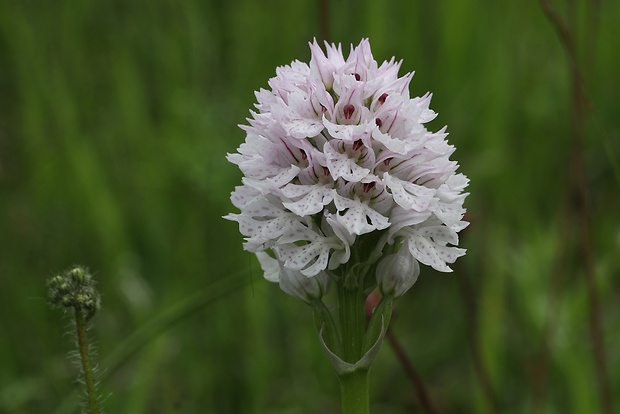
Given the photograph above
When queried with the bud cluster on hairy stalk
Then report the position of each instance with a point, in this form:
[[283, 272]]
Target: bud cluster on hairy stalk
[[74, 292]]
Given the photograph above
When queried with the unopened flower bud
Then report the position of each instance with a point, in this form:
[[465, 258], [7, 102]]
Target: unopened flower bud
[[75, 289], [79, 276], [64, 288], [293, 282], [56, 281], [303, 287], [397, 272], [67, 301]]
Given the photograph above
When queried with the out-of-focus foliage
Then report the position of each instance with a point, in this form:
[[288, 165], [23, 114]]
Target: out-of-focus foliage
[[115, 118]]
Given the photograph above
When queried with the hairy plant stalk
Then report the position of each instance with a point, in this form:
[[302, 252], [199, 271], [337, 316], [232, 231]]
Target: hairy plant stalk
[[87, 368]]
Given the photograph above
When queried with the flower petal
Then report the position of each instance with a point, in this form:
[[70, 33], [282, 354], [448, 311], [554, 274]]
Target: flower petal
[[408, 195], [431, 253], [310, 199], [270, 266], [341, 165], [357, 217]]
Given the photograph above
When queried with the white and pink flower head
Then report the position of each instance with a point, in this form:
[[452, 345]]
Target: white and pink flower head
[[337, 159]]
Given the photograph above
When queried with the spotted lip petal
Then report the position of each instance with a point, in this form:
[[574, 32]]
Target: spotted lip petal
[[358, 217], [336, 149], [340, 165]]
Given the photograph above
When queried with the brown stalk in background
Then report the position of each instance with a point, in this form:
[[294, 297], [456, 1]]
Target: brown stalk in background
[[578, 187], [418, 385], [324, 20], [540, 381], [412, 374], [471, 316]]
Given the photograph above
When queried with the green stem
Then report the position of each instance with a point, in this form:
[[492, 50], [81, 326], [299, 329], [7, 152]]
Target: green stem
[[354, 392], [352, 319], [87, 368], [353, 385]]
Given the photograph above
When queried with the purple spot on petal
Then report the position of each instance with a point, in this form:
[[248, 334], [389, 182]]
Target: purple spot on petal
[[369, 186], [348, 111]]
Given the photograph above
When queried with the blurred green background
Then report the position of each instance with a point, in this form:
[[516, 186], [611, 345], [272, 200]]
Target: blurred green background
[[115, 119]]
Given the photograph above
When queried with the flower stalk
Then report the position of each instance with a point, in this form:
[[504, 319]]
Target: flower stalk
[[354, 384], [351, 305], [354, 392], [87, 368]]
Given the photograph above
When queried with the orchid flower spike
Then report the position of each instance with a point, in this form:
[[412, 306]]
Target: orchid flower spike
[[337, 153]]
